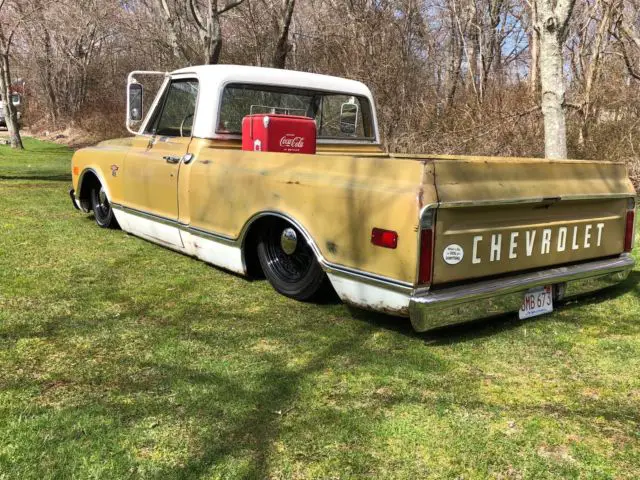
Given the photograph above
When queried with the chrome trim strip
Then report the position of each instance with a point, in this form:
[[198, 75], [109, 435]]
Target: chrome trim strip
[[216, 237], [486, 298], [239, 242], [147, 215], [519, 201]]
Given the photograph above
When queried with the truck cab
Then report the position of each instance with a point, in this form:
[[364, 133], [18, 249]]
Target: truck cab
[[218, 169]]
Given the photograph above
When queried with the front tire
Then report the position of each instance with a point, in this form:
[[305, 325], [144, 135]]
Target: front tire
[[289, 263], [102, 211]]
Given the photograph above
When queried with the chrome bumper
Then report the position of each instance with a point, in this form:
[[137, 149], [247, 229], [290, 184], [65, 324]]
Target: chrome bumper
[[464, 303]]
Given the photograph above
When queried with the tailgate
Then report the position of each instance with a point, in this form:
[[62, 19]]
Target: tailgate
[[500, 216]]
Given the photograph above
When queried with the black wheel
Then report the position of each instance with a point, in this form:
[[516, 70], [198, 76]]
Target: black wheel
[[289, 263], [102, 210]]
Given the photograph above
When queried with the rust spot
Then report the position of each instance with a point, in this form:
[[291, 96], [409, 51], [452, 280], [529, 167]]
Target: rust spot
[[332, 247], [421, 198], [376, 307], [206, 162], [293, 183]]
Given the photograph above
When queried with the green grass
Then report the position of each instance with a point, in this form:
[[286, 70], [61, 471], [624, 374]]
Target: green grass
[[39, 161], [121, 359]]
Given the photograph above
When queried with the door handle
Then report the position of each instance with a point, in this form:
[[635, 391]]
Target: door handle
[[171, 159]]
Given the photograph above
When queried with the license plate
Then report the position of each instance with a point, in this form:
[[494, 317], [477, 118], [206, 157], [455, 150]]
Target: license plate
[[536, 301]]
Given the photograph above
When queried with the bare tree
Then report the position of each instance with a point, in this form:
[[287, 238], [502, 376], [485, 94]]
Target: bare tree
[[10, 112], [208, 25], [283, 47], [449, 76], [628, 40], [551, 23], [590, 58]]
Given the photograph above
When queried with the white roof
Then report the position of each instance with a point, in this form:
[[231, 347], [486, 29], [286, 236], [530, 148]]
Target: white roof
[[223, 74], [213, 78]]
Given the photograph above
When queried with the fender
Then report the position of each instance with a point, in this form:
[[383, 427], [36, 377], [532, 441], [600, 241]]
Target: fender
[[331, 268], [97, 173], [278, 214]]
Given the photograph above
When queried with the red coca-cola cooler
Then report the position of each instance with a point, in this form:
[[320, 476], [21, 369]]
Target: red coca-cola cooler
[[278, 133]]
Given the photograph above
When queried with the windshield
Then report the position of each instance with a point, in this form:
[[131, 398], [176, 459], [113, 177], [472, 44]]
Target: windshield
[[337, 115]]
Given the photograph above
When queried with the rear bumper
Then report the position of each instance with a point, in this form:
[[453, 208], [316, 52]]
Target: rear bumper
[[461, 304]]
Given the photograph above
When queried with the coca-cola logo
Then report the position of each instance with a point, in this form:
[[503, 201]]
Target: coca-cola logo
[[291, 141]]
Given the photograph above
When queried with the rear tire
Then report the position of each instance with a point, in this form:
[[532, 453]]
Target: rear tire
[[295, 272], [101, 207]]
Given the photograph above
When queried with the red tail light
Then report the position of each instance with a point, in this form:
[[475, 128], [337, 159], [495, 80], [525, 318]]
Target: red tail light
[[384, 238], [629, 232], [426, 256]]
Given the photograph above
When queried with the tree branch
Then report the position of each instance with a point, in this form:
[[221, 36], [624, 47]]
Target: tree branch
[[629, 34], [564, 9], [628, 62], [196, 15], [229, 6]]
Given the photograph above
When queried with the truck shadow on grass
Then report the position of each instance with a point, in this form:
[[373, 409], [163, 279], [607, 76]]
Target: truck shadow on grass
[[501, 323], [231, 419], [49, 178]]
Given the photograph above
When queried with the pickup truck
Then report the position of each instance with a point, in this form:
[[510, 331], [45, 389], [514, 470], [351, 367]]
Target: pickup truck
[[438, 239], [16, 100]]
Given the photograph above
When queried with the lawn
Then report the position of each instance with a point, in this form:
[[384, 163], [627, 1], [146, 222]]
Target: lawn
[[121, 359]]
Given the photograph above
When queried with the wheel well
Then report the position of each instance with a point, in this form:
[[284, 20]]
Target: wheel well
[[89, 181], [250, 246]]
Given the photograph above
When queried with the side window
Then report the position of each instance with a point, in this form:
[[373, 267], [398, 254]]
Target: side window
[[330, 116], [177, 110]]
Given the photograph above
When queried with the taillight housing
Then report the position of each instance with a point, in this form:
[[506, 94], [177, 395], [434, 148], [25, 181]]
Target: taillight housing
[[427, 243], [384, 238], [630, 231]]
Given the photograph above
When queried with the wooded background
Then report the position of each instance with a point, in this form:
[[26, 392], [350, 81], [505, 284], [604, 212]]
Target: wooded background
[[449, 76]]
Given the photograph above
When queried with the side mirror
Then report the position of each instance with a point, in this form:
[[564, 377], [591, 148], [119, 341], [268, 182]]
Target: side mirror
[[134, 102], [348, 118]]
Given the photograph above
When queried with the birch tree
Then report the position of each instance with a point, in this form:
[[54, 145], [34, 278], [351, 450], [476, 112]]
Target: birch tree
[[551, 23]]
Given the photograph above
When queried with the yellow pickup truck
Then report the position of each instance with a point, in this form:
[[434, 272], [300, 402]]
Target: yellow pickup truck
[[438, 239]]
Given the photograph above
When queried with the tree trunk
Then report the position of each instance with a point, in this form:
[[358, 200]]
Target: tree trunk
[[10, 113], [551, 23], [282, 44], [534, 48], [213, 46], [172, 36], [44, 65], [553, 94]]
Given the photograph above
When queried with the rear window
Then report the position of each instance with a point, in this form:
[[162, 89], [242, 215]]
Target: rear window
[[337, 115]]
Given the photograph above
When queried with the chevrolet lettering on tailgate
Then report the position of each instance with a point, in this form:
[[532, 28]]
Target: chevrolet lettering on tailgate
[[282, 173], [547, 241]]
